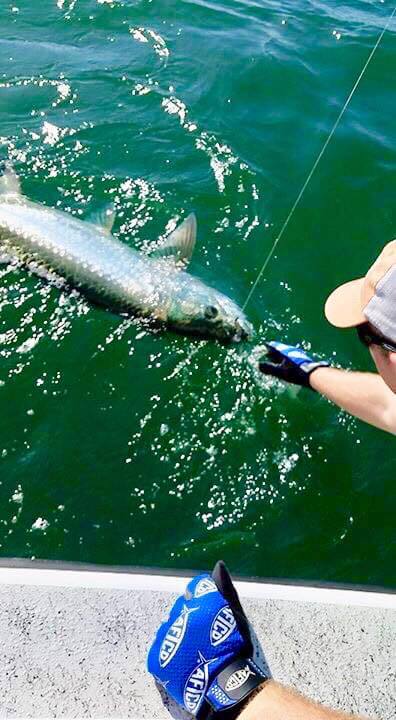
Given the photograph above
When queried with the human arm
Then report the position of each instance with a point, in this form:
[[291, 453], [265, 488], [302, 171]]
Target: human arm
[[203, 653], [203, 657], [364, 395], [276, 702]]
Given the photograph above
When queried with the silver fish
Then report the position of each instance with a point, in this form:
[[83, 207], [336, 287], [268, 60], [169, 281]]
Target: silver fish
[[88, 257]]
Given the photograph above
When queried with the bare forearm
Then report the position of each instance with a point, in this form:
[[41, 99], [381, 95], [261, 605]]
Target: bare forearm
[[364, 395], [275, 702]]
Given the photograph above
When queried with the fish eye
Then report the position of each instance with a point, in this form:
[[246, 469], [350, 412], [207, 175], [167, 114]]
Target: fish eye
[[211, 312]]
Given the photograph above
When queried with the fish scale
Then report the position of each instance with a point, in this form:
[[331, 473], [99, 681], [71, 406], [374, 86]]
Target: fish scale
[[109, 272]]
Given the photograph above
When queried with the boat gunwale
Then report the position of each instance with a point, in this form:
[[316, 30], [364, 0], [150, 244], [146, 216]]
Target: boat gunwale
[[40, 572]]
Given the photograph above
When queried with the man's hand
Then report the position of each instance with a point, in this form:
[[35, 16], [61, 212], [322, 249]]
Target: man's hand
[[289, 363], [202, 654]]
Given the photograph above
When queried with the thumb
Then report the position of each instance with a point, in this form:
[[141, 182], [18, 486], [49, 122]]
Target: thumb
[[225, 586], [275, 369]]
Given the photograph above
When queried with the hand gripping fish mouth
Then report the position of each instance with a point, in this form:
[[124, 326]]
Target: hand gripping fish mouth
[[152, 284]]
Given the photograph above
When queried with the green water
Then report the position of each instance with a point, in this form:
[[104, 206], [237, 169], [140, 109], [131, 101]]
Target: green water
[[118, 445]]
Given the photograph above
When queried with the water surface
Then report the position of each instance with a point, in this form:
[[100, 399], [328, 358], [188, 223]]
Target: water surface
[[119, 445]]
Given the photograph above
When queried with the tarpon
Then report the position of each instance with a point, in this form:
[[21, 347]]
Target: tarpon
[[87, 256]]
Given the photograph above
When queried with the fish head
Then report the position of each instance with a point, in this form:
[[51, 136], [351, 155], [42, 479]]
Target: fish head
[[203, 311]]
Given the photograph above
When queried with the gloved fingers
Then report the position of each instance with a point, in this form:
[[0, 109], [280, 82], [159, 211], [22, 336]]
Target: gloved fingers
[[270, 368], [273, 353], [225, 586]]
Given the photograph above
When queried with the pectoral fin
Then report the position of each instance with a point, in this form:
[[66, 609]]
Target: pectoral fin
[[9, 182], [103, 218], [178, 247]]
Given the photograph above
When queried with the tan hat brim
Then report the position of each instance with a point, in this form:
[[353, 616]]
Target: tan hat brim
[[344, 306]]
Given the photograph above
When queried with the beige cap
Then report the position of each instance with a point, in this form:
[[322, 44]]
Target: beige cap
[[347, 305]]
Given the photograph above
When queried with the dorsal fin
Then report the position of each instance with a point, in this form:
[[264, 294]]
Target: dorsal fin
[[103, 218], [179, 245], [9, 182]]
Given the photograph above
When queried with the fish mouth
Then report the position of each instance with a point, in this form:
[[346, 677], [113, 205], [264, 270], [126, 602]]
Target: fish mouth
[[232, 329], [238, 331], [235, 333], [243, 330]]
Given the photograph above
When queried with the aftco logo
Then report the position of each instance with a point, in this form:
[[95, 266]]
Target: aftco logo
[[195, 687], [174, 637], [222, 626], [204, 587], [238, 678]]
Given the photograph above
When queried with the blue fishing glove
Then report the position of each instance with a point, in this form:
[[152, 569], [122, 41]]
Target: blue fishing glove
[[202, 655], [289, 363]]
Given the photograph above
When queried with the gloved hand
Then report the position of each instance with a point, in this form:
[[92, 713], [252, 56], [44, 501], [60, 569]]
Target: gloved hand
[[202, 654], [289, 363]]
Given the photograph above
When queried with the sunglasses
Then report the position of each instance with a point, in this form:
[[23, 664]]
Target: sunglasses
[[368, 336]]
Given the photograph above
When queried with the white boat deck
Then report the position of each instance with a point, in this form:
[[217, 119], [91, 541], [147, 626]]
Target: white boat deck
[[74, 642]]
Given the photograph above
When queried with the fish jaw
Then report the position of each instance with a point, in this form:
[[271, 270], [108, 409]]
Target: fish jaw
[[198, 309], [231, 324], [244, 329], [240, 330], [236, 333]]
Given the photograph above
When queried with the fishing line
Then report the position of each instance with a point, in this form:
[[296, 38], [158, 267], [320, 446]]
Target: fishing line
[[318, 159]]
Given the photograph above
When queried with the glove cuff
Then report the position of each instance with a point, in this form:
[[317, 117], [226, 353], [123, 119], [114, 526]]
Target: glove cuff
[[234, 684], [309, 367]]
